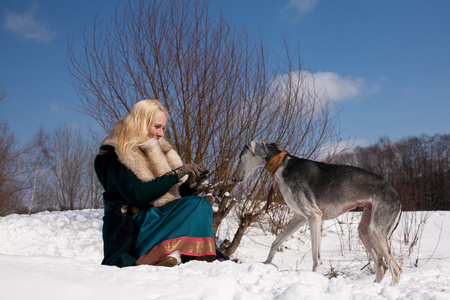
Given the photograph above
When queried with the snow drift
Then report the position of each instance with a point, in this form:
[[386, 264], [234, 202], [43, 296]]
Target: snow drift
[[57, 255]]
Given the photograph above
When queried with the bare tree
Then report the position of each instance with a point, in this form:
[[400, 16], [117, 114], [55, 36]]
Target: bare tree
[[220, 87], [417, 167], [70, 158], [37, 160], [11, 187]]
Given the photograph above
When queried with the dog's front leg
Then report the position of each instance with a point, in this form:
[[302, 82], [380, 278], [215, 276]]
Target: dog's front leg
[[315, 225], [295, 224]]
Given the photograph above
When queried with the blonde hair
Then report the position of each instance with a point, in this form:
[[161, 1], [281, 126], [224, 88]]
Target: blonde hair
[[132, 130]]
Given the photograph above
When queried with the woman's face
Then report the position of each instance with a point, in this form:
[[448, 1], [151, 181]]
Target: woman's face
[[156, 129]]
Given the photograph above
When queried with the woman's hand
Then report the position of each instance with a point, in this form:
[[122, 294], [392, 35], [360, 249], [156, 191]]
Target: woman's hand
[[197, 174], [196, 182], [193, 170]]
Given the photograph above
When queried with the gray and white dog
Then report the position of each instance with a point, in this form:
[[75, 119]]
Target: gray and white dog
[[318, 191]]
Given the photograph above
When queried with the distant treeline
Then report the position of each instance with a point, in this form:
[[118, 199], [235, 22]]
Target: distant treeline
[[417, 167]]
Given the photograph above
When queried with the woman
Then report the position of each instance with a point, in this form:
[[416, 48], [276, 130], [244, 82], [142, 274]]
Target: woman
[[151, 216]]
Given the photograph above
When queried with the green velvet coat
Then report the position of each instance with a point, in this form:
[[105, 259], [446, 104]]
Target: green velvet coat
[[122, 187]]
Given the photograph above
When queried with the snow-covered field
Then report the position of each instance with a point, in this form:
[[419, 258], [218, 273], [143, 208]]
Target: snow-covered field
[[57, 255]]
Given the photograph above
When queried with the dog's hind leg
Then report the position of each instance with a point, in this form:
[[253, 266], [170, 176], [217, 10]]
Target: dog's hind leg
[[380, 229], [295, 224], [364, 237], [382, 246]]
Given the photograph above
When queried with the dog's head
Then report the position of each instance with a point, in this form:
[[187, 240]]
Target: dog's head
[[254, 155]]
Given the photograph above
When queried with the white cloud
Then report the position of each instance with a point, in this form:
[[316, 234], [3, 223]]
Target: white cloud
[[332, 148], [327, 85], [55, 107], [337, 88], [302, 6], [28, 26]]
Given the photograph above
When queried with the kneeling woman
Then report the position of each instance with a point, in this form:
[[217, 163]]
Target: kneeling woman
[[150, 216]]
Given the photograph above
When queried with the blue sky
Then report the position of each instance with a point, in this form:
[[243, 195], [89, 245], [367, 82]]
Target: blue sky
[[385, 64]]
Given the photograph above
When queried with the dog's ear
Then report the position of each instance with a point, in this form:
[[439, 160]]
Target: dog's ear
[[272, 146], [257, 148], [252, 146]]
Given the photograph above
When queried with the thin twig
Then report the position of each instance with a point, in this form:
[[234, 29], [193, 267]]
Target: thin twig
[[439, 239]]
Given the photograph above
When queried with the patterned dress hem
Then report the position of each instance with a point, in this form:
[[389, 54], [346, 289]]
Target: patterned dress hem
[[186, 245]]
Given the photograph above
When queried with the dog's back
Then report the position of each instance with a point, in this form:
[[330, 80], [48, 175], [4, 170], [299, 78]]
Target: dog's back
[[337, 188]]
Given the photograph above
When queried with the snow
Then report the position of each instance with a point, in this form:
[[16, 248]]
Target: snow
[[57, 255]]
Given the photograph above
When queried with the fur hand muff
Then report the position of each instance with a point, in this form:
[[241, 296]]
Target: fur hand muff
[[152, 159]]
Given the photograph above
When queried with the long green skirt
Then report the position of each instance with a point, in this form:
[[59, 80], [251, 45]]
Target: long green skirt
[[184, 224]]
